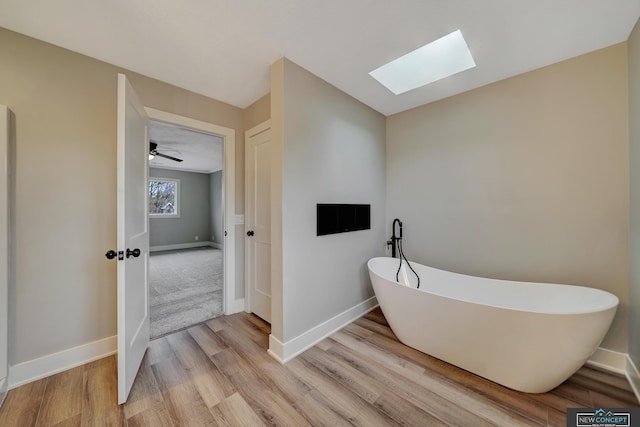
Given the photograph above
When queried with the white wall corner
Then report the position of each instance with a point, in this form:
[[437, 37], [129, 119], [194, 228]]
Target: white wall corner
[[3, 390], [283, 352], [42, 367], [608, 360], [237, 306], [276, 348], [633, 376]]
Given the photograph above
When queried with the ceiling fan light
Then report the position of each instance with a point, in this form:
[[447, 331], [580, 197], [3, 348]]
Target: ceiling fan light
[[151, 156]]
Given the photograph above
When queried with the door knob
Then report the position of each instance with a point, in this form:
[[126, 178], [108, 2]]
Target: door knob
[[111, 254], [250, 233], [134, 253]]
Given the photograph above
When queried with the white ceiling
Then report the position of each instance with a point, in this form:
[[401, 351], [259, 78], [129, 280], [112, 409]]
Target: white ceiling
[[199, 152], [223, 48]]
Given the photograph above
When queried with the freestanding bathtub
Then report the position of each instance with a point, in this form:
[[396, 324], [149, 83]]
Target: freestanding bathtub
[[526, 336]]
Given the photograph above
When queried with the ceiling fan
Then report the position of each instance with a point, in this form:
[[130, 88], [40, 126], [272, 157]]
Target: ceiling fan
[[153, 151]]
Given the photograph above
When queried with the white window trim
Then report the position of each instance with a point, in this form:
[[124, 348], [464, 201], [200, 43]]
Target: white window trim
[[177, 213]]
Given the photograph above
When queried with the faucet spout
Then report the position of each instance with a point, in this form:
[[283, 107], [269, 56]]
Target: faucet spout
[[397, 221], [395, 238]]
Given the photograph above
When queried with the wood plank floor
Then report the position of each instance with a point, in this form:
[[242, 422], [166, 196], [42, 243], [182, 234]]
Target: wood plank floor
[[218, 373]]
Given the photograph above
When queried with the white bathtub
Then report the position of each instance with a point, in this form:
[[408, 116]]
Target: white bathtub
[[526, 336]]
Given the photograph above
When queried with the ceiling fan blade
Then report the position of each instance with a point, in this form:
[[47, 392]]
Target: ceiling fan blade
[[168, 157]]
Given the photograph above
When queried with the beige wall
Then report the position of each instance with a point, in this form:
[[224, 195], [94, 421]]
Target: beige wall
[[525, 179], [65, 119], [332, 150], [258, 112], [634, 212], [276, 109]]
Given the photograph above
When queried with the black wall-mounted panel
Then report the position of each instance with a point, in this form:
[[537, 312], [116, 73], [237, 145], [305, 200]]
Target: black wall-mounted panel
[[340, 218]]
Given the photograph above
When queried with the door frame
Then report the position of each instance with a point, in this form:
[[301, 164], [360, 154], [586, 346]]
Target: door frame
[[5, 249], [258, 129], [228, 193]]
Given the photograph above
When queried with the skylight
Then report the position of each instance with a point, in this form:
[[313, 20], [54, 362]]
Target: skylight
[[441, 58]]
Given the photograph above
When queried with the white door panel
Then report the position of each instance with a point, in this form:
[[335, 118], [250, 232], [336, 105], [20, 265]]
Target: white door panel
[[262, 266], [258, 220], [133, 236]]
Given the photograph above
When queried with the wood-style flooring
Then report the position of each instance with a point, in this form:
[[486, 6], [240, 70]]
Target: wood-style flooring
[[218, 373]]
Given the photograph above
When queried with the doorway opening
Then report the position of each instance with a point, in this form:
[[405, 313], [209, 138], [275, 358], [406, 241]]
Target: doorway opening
[[191, 249]]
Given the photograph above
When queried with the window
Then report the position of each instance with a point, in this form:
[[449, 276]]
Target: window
[[441, 58], [164, 200]]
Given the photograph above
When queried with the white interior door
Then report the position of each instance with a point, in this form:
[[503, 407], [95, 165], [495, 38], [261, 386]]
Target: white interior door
[[4, 247], [133, 236], [258, 219]]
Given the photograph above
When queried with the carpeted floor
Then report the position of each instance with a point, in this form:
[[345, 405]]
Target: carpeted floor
[[185, 288]]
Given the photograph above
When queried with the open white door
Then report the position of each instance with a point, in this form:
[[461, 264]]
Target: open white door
[[258, 218], [133, 236]]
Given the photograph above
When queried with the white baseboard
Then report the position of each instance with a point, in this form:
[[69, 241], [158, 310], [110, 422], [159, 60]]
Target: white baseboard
[[3, 390], [182, 246], [608, 360], [619, 363], [633, 376], [45, 366], [283, 352]]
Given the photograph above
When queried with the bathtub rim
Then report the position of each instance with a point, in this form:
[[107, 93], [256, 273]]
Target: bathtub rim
[[615, 302]]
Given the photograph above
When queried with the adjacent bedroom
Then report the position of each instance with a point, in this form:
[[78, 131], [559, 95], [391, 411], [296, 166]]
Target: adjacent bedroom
[[185, 228]]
